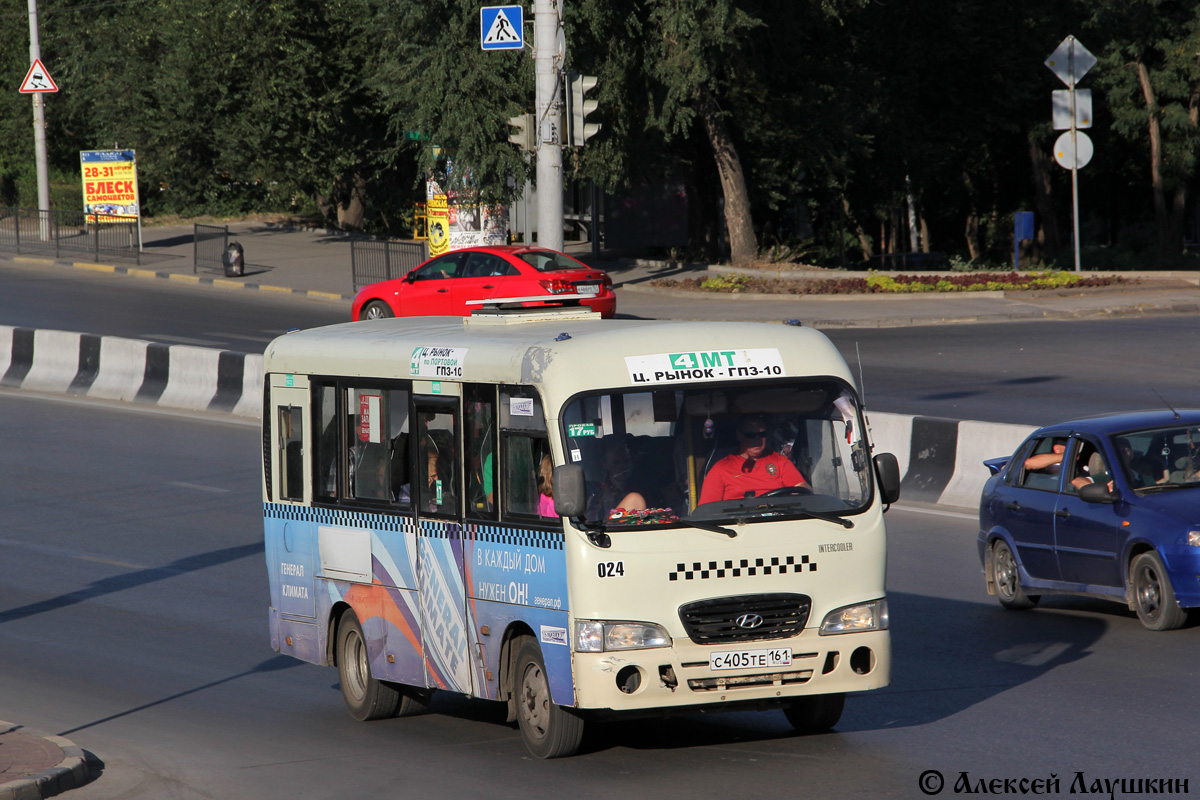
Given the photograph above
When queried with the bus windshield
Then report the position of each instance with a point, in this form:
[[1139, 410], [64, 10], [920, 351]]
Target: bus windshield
[[746, 453]]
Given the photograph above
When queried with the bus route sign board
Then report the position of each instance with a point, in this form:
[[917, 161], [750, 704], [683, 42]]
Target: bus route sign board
[[110, 192]]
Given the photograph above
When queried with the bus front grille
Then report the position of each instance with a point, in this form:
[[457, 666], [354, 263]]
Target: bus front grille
[[745, 618]]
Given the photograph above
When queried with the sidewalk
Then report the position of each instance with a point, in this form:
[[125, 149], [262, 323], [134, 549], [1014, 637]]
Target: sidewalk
[[316, 263], [34, 765]]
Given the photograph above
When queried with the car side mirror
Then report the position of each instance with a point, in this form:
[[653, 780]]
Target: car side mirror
[[887, 469], [570, 491], [1098, 493], [411, 277]]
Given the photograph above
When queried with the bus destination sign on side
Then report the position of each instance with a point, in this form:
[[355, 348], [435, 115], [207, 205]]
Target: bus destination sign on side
[[705, 365], [437, 362]]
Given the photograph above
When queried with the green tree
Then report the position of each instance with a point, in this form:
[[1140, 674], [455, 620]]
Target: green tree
[[1150, 71], [433, 78]]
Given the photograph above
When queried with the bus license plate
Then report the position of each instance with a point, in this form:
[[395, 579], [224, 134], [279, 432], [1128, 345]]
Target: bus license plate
[[750, 659], [587, 288]]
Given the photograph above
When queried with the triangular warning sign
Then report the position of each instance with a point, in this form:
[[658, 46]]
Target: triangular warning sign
[[38, 79], [502, 30]]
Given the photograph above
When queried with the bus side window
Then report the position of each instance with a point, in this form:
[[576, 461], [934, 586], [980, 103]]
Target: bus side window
[[377, 444], [479, 433], [522, 460], [291, 459], [437, 462], [524, 443], [328, 448]]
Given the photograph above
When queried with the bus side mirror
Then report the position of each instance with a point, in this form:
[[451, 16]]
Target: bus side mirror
[[888, 471], [570, 491]]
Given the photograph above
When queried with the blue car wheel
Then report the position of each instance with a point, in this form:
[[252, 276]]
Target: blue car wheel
[[1007, 580], [1153, 597]]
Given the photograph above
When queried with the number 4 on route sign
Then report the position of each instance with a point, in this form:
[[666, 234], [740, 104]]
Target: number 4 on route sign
[[502, 27]]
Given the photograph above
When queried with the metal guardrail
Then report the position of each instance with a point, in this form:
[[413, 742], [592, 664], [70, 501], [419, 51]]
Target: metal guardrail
[[208, 245], [73, 233], [372, 260]]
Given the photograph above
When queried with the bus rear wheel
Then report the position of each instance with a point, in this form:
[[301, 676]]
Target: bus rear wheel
[[366, 697], [548, 730], [815, 713]]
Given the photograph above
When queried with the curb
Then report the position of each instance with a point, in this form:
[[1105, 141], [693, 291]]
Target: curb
[[70, 773]]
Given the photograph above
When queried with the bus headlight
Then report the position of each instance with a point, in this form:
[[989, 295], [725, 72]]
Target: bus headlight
[[872, 616], [597, 637]]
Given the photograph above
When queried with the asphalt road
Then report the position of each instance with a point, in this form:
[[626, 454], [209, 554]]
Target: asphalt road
[[1019, 372], [133, 592]]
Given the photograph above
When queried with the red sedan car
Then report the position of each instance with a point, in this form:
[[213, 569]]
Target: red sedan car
[[443, 286]]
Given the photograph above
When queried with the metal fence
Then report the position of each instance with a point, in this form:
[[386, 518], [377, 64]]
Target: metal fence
[[70, 233], [208, 245], [372, 260]]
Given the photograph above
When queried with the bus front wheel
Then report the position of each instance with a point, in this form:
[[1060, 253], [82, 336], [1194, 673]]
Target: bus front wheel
[[548, 730], [366, 697], [815, 713]]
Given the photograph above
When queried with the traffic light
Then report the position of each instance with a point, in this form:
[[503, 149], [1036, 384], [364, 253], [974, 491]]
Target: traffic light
[[581, 129], [526, 131]]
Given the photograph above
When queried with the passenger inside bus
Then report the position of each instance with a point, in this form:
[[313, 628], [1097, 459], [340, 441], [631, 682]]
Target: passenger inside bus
[[370, 475], [545, 482], [614, 491]]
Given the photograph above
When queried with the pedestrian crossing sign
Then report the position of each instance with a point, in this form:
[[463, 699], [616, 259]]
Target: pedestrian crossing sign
[[502, 27]]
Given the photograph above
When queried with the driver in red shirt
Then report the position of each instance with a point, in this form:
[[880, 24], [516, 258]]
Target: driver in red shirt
[[752, 470]]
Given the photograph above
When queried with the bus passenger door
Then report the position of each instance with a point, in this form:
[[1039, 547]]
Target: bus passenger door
[[288, 529], [437, 481]]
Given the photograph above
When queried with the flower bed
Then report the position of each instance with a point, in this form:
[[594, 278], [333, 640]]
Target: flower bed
[[886, 283]]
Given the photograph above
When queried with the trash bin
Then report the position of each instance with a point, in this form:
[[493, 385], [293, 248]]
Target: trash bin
[[234, 260]]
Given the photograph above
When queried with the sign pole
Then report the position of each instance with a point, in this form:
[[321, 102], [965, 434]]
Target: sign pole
[[1070, 61], [1075, 159], [39, 131], [548, 104]]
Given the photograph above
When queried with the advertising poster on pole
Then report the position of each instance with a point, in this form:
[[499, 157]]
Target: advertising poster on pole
[[110, 191], [465, 222], [437, 219]]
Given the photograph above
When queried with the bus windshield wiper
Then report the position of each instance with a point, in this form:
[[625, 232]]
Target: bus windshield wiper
[[709, 526], [787, 511]]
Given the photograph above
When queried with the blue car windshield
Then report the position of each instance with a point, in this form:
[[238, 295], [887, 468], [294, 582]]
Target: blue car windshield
[[1167, 458]]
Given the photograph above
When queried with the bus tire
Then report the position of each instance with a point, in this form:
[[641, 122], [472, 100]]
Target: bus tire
[[815, 713], [366, 697], [548, 730], [413, 700]]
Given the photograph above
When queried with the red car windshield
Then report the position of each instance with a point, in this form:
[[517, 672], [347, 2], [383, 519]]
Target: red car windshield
[[550, 261]]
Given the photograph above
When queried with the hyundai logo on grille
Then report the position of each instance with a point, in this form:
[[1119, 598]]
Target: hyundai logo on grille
[[749, 621]]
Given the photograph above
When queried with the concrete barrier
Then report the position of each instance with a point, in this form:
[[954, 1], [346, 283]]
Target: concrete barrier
[[941, 460], [131, 370]]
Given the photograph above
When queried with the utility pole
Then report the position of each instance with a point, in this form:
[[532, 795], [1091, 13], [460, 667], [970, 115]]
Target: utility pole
[[39, 129], [547, 23]]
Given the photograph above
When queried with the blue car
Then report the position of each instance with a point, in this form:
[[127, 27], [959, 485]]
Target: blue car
[[1105, 507]]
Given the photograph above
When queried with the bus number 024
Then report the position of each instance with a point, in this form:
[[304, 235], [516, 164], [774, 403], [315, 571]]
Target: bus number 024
[[611, 569]]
